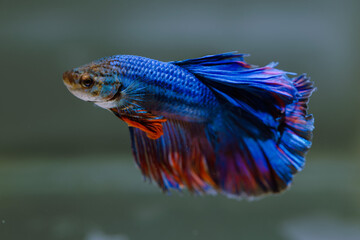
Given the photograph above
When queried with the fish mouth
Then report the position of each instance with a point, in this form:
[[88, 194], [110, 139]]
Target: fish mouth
[[68, 78]]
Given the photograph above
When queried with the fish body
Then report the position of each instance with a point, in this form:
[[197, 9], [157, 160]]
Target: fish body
[[211, 124]]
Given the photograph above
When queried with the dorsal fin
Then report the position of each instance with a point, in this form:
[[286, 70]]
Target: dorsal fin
[[230, 77]]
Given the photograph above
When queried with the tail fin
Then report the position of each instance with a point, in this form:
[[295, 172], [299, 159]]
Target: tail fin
[[253, 146]]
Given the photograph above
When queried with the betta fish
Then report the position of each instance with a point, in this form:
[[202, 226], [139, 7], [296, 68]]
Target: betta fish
[[210, 124]]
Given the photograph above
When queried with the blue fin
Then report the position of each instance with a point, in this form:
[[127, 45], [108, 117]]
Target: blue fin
[[252, 147], [230, 70], [264, 129]]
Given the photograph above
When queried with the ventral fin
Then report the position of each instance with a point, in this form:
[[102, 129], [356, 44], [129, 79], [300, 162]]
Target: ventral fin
[[143, 120]]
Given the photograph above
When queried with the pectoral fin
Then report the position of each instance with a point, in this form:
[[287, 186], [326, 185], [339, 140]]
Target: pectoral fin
[[142, 120]]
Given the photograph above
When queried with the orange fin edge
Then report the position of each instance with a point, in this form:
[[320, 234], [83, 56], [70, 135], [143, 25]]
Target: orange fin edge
[[144, 121], [152, 127]]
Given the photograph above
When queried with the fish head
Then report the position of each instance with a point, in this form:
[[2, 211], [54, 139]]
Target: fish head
[[94, 83]]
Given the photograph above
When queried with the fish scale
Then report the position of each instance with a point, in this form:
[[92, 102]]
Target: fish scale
[[176, 79], [175, 90]]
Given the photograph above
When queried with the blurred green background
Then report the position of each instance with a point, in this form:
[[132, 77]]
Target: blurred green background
[[66, 170]]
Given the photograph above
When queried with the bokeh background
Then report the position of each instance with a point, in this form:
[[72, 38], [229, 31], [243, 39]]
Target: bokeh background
[[66, 170]]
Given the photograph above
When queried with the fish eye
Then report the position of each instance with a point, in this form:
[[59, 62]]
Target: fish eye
[[86, 81]]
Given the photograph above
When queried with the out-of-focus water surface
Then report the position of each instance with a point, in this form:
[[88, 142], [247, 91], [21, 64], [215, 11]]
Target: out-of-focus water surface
[[65, 166]]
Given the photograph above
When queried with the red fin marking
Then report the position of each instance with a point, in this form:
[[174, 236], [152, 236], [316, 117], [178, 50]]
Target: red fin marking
[[244, 64], [142, 120], [152, 127]]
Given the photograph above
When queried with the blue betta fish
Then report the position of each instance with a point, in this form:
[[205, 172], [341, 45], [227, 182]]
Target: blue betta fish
[[210, 124]]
